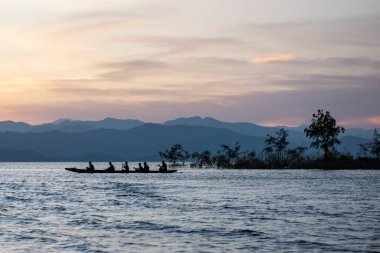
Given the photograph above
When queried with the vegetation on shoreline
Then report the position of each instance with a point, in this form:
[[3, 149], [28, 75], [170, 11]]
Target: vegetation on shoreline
[[276, 155]]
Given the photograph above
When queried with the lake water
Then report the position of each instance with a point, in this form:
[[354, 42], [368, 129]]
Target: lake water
[[44, 208]]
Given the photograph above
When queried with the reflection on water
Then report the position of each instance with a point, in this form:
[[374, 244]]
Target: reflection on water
[[44, 208]]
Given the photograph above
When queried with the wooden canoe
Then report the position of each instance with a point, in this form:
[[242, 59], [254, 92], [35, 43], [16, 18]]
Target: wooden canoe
[[116, 171]]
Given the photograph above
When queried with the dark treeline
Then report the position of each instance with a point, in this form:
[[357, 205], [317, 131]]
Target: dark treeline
[[322, 132]]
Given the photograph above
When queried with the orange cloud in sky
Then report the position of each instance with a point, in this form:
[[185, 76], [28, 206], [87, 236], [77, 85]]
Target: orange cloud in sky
[[275, 58], [290, 122], [360, 122], [375, 120]]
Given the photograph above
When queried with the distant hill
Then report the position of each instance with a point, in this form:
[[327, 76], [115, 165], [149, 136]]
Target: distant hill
[[356, 132], [12, 155], [296, 137], [70, 126], [11, 126], [139, 143], [117, 139], [350, 144], [296, 134], [78, 126], [239, 127]]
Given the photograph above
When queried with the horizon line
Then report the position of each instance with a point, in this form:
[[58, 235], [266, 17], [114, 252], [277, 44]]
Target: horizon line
[[162, 122]]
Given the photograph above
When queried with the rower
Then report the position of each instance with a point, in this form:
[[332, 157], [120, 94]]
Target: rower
[[125, 166], [140, 168], [163, 167], [111, 167], [90, 167], [146, 167]]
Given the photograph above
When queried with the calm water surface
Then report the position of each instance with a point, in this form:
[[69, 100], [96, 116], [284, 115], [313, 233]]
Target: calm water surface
[[46, 209]]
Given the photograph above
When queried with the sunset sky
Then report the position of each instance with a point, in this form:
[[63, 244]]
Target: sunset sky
[[267, 62]]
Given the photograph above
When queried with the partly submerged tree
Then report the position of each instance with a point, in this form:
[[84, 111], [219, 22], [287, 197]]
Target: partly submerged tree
[[277, 143], [227, 156], [174, 154], [364, 149], [296, 153], [324, 132], [296, 156], [248, 160], [202, 159], [373, 147]]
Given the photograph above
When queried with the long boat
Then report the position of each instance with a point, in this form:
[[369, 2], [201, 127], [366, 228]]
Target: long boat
[[116, 171]]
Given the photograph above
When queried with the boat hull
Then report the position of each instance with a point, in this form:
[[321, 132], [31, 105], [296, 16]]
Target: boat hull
[[116, 171]]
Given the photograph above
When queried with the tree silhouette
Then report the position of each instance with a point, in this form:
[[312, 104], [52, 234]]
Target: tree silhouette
[[227, 156], [295, 156], [324, 132], [202, 159], [174, 154], [364, 149], [278, 144], [371, 147], [375, 149]]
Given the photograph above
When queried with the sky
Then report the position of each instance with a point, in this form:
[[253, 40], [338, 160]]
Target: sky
[[267, 62]]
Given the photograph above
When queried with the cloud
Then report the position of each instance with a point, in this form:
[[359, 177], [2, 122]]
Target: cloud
[[319, 38], [334, 82], [81, 30], [96, 15], [275, 58], [136, 65], [184, 45], [110, 22], [131, 70], [350, 67], [185, 67], [293, 107], [208, 77], [275, 108], [333, 62], [131, 95], [375, 120]]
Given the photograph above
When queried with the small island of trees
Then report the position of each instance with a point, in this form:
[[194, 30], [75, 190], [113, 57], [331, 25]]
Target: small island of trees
[[323, 133]]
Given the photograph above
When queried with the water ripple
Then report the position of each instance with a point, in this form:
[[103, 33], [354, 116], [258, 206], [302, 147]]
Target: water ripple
[[46, 209]]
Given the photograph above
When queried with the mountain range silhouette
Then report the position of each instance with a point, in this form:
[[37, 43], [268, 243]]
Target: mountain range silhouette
[[134, 140]]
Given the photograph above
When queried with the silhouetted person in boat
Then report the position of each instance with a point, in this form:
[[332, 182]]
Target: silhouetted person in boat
[[163, 167], [140, 168], [111, 167], [125, 166], [90, 167], [146, 167]]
